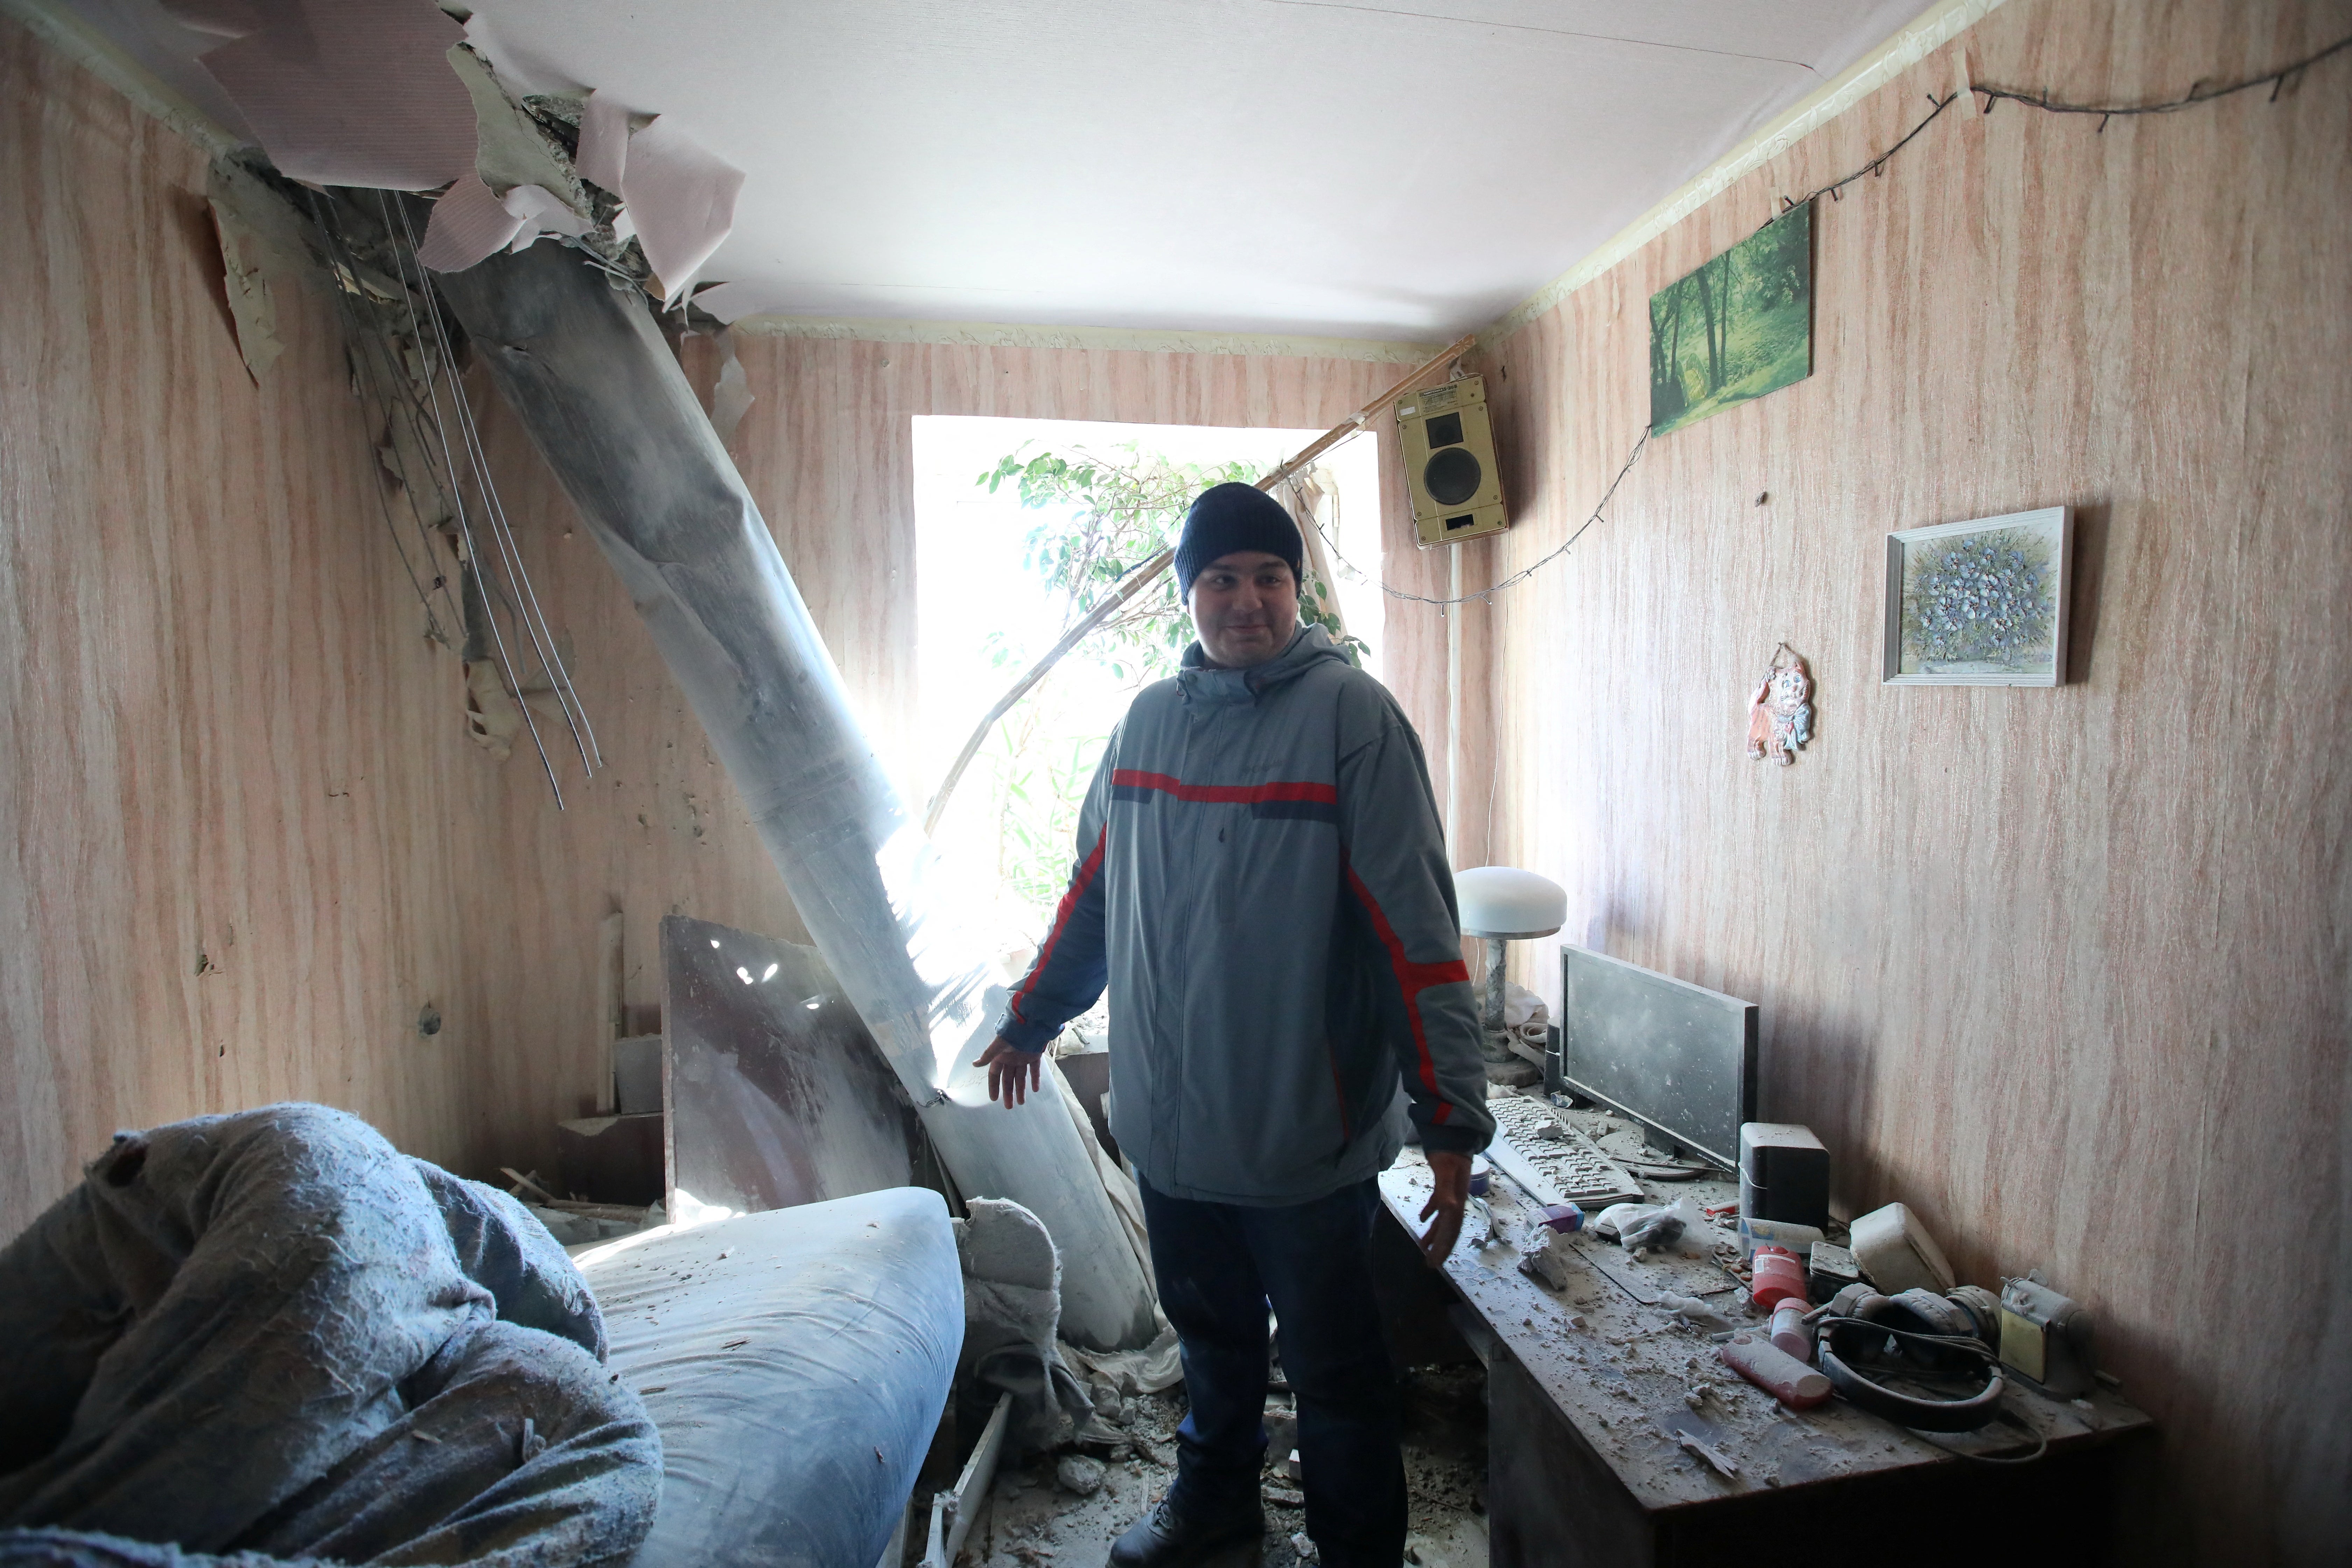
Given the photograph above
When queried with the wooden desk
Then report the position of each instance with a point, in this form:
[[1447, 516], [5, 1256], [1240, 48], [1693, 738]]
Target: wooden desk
[[1588, 1385]]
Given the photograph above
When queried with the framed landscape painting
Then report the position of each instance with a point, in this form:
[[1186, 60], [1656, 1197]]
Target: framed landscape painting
[[1979, 603], [1740, 326]]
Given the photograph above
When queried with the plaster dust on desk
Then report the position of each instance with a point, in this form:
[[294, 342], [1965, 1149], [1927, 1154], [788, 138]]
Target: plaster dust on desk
[[1034, 1518], [1654, 1385]]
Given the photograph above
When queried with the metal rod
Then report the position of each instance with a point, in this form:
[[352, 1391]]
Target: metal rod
[[368, 348], [542, 638], [527, 608], [456, 496]]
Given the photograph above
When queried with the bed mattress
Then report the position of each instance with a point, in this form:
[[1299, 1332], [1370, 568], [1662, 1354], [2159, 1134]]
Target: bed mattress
[[796, 1363]]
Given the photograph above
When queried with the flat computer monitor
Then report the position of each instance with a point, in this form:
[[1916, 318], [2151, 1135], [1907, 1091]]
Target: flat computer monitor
[[1676, 1058]]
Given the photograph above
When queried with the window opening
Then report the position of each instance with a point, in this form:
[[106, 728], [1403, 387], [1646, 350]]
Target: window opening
[[998, 581]]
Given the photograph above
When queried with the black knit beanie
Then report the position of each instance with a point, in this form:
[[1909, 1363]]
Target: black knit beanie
[[1229, 517]]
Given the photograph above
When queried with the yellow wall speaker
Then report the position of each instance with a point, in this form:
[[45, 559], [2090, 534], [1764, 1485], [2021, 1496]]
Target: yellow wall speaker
[[1449, 462]]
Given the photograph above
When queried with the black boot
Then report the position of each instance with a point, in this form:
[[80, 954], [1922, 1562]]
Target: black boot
[[1179, 1534]]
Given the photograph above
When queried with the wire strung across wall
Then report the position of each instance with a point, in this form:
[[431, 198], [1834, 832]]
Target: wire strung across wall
[[2198, 94], [1484, 595], [1835, 189]]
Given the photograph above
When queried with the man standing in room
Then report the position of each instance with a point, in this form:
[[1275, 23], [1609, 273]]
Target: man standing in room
[[1262, 883]]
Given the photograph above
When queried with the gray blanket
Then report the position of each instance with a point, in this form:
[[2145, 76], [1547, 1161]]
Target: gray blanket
[[271, 1333]]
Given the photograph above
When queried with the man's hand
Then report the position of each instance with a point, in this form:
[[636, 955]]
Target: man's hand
[[1014, 1072], [1451, 1171]]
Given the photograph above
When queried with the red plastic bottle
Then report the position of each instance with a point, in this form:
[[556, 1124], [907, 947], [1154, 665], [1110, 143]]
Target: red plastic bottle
[[1778, 1278], [1775, 1371]]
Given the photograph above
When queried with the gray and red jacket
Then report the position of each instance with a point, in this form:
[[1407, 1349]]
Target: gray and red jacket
[[1262, 883]]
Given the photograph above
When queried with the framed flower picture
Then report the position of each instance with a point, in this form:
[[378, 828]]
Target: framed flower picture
[[1981, 603]]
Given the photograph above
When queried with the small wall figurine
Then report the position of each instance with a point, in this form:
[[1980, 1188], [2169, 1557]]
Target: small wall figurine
[[1781, 713]]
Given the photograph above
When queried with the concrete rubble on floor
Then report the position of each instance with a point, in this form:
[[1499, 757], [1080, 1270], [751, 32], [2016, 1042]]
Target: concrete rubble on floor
[[1033, 1516]]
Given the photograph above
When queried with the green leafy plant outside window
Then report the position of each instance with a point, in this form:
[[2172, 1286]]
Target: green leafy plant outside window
[[1104, 517]]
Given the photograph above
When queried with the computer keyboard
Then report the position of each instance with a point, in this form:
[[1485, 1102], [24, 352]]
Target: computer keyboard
[[1561, 1165]]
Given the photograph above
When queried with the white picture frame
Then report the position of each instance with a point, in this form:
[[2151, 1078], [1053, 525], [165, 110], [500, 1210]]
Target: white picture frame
[[1981, 603]]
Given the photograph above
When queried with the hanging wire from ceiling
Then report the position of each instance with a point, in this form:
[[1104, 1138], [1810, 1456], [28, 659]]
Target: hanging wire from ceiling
[[525, 595], [405, 357], [368, 349]]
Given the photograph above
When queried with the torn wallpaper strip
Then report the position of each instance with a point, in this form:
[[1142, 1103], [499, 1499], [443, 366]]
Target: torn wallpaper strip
[[544, 213], [468, 224], [263, 246], [352, 92], [249, 304], [732, 398], [288, 251], [683, 199], [603, 140]]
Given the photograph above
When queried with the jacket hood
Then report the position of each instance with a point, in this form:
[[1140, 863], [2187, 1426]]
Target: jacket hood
[[1202, 682]]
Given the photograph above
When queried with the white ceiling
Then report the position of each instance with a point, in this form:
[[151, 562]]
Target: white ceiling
[[1282, 166]]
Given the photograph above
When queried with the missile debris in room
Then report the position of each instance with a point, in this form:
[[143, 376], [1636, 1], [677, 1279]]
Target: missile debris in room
[[776, 1094], [586, 369]]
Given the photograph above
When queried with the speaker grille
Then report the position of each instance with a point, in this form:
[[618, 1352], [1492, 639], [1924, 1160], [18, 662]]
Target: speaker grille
[[1444, 430], [1452, 476]]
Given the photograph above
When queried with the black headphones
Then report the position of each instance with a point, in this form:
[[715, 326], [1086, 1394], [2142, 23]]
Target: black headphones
[[1916, 1331]]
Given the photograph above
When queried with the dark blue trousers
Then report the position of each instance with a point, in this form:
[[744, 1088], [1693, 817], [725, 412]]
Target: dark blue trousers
[[1219, 1265]]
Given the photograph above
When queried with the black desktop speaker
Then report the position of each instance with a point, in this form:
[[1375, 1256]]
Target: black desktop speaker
[[1449, 462], [1784, 1175]]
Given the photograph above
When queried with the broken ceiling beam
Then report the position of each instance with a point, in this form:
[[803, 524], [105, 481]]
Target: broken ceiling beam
[[586, 369]]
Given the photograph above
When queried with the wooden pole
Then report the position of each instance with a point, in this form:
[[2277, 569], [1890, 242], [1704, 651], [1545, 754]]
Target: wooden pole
[[1137, 581], [1149, 573], [611, 977]]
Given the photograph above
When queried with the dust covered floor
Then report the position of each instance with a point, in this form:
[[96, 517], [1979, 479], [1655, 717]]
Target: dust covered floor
[[1032, 1518]]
